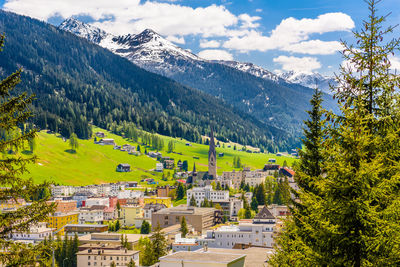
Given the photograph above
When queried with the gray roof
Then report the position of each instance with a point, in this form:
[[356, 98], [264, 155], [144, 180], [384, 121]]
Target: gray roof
[[264, 214], [205, 257]]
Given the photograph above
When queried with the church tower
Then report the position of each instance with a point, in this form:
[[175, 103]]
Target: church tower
[[212, 158]]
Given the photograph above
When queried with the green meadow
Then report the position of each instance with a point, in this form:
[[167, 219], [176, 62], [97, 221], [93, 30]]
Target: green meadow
[[94, 164]]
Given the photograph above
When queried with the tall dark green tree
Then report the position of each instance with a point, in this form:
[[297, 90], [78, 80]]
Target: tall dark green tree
[[254, 204], [145, 228], [14, 112], [159, 243], [184, 229], [353, 206], [180, 192]]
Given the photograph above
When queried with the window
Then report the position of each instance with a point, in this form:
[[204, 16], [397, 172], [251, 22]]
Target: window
[[88, 257]]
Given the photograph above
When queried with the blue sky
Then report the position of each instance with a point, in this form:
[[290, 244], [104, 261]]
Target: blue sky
[[279, 35]]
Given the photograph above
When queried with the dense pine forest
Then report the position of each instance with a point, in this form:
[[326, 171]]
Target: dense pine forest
[[78, 84]]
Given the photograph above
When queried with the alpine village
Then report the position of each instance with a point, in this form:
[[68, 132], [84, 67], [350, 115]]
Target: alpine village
[[123, 144]]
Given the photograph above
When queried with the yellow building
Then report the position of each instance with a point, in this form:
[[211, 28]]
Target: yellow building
[[129, 214], [12, 204], [59, 220], [160, 200]]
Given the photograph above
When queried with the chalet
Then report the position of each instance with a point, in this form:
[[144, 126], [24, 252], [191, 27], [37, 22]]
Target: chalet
[[179, 164], [169, 163], [100, 134], [279, 154], [131, 184], [128, 147], [123, 167], [271, 167], [107, 141], [117, 147], [220, 155], [271, 160], [154, 154], [159, 167]]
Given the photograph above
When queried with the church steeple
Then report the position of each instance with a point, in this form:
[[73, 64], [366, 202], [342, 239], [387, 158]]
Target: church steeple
[[212, 157], [194, 167]]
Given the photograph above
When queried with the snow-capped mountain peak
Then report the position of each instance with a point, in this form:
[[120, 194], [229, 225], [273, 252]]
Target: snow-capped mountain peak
[[252, 69], [155, 53], [87, 31], [311, 80], [147, 49]]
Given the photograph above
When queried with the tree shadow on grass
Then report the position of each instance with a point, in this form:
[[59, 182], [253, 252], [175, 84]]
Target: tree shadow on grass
[[27, 152], [70, 151]]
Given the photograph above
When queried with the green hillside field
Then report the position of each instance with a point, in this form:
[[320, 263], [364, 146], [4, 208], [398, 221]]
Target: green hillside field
[[95, 164]]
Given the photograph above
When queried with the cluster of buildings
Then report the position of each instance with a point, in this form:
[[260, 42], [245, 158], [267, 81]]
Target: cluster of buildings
[[87, 211]]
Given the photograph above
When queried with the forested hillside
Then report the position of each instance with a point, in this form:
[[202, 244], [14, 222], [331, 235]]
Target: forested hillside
[[77, 83]]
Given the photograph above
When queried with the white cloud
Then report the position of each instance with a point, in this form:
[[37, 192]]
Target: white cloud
[[259, 10], [292, 33], [314, 47], [215, 54], [248, 21], [133, 16], [209, 44], [395, 63], [298, 64], [177, 40]]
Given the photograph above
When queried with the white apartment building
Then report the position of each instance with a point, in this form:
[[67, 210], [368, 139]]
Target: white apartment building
[[185, 244], [104, 189], [91, 215], [258, 232], [254, 178], [207, 192], [35, 234], [97, 201], [62, 190], [233, 178], [115, 188]]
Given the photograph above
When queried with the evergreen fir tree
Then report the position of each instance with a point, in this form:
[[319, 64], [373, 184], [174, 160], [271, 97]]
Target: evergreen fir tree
[[193, 201], [348, 215], [254, 204], [180, 192], [14, 111], [117, 226], [159, 243], [184, 230], [145, 228]]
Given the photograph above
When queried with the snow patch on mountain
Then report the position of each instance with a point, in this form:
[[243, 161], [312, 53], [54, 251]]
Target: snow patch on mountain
[[154, 53], [252, 69], [311, 80]]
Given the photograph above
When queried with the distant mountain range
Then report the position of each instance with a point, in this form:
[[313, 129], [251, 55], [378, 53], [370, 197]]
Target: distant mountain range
[[273, 99], [78, 83]]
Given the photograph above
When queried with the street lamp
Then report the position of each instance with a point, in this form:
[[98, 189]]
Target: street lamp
[[64, 260]]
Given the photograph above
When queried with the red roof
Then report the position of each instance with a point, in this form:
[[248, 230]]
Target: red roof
[[290, 171], [181, 181]]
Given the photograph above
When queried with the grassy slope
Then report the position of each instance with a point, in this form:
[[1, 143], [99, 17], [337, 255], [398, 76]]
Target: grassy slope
[[96, 164]]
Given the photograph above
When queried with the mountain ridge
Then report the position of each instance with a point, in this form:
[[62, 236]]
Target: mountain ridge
[[246, 86], [78, 83]]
